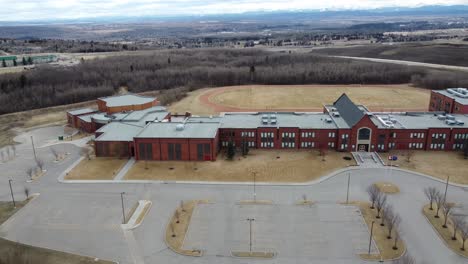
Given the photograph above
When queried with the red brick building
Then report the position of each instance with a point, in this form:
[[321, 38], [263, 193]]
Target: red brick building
[[152, 134], [452, 101]]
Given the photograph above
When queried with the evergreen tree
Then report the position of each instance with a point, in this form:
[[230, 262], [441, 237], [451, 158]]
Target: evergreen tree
[[24, 61], [15, 63], [169, 60], [4, 63], [30, 61], [465, 149]]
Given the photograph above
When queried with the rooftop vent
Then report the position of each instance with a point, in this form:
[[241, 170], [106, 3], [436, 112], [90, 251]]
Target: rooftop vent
[[328, 120], [180, 127], [450, 117], [459, 122], [450, 122], [441, 117]]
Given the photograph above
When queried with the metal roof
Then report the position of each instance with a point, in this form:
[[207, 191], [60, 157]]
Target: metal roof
[[348, 110], [81, 111], [299, 120], [156, 113], [417, 120], [170, 130], [118, 132], [463, 101], [126, 99]]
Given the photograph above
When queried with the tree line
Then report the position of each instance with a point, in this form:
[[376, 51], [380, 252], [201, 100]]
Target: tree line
[[185, 70]]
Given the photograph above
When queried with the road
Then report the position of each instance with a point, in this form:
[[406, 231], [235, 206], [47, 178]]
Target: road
[[409, 63], [85, 218]]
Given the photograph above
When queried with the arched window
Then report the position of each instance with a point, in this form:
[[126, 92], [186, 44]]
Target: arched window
[[364, 134]]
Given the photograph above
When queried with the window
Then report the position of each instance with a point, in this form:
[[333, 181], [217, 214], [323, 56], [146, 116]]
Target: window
[[308, 134], [391, 145], [307, 144], [331, 144], [364, 134], [174, 151], [145, 151], [247, 134], [344, 146], [331, 134]]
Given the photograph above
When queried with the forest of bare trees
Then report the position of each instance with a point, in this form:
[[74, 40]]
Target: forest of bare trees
[[184, 70]]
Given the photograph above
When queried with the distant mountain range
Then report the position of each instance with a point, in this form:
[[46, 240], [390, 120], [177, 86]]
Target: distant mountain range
[[290, 15]]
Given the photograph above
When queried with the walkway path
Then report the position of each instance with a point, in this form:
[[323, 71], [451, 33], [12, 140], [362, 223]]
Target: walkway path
[[124, 169]]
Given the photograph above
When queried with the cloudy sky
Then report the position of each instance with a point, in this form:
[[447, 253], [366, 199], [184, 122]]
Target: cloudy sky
[[22, 10]]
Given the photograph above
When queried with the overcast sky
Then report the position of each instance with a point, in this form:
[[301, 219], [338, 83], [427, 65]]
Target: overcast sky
[[21, 10]]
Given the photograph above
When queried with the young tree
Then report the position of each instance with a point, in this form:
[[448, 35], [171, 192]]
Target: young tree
[[446, 209], [323, 151], [85, 153], [13, 148], [30, 61], [15, 63], [373, 192], [396, 238], [409, 155], [26, 192], [439, 200], [177, 216], [4, 64], [40, 164], [430, 193], [231, 150], [30, 172], [464, 234], [380, 203], [457, 222], [24, 62], [182, 206], [54, 153], [393, 220]]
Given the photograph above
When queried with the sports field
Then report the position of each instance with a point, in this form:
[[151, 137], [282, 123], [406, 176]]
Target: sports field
[[301, 98]]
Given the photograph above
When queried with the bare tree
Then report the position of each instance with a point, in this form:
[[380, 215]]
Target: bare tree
[[13, 148], [172, 230], [40, 164], [55, 153], [392, 219], [2, 153], [409, 155], [182, 206], [431, 193], [439, 200], [457, 222], [85, 153], [373, 192], [446, 209], [30, 172], [177, 216], [380, 203], [385, 209], [396, 238], [26, 192], [464, 234]]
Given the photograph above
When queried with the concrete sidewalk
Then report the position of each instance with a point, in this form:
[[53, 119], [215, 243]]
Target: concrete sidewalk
[[124, 169]]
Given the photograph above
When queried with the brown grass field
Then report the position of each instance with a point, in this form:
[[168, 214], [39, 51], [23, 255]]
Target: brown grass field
[[291, 166], [96, 169], [439, 164], [301, 98]]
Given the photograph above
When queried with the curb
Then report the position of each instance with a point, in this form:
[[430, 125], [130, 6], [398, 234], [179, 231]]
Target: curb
[[33, 197], [135, 217]]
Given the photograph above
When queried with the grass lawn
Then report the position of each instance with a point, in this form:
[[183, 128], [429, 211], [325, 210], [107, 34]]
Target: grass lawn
[[177, 229], [387, 187], [444, 233], [439, 164], [380, 234], [269, 166], [17, 253], [96, 169]]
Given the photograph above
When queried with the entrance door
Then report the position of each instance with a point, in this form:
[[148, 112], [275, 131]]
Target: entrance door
[[363, 147]]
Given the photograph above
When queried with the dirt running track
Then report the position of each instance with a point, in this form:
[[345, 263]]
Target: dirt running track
[[301, 98]]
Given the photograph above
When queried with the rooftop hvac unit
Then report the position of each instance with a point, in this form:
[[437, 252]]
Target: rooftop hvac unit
[[273, 121], [441, 117], [450, 122], [450, 117], [180, 127], [336, 114], [393, 120], [460, 123], [328, 120], [265, 121]]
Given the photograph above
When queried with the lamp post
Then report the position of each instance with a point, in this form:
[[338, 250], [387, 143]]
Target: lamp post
[[370, 238], [446, 189], [11, 191], [34, 149], [254, 185], [250, 233], [123, 208], [347, 190]]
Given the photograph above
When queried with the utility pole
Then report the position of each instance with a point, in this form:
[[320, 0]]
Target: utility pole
[[446, 189], [123, 208], [11, 191], [34, 149], [347, 190], [370, 238], [250, 232], [254, 186]]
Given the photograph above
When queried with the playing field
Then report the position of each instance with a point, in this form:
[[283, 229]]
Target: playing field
[[301, 98]]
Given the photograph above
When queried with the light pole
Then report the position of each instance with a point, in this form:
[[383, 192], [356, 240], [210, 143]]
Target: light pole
[[370, 238], [11, 191], [123, 208], [250, 233], [446, 189], [347, 190], [254, 186], [34, 149]]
